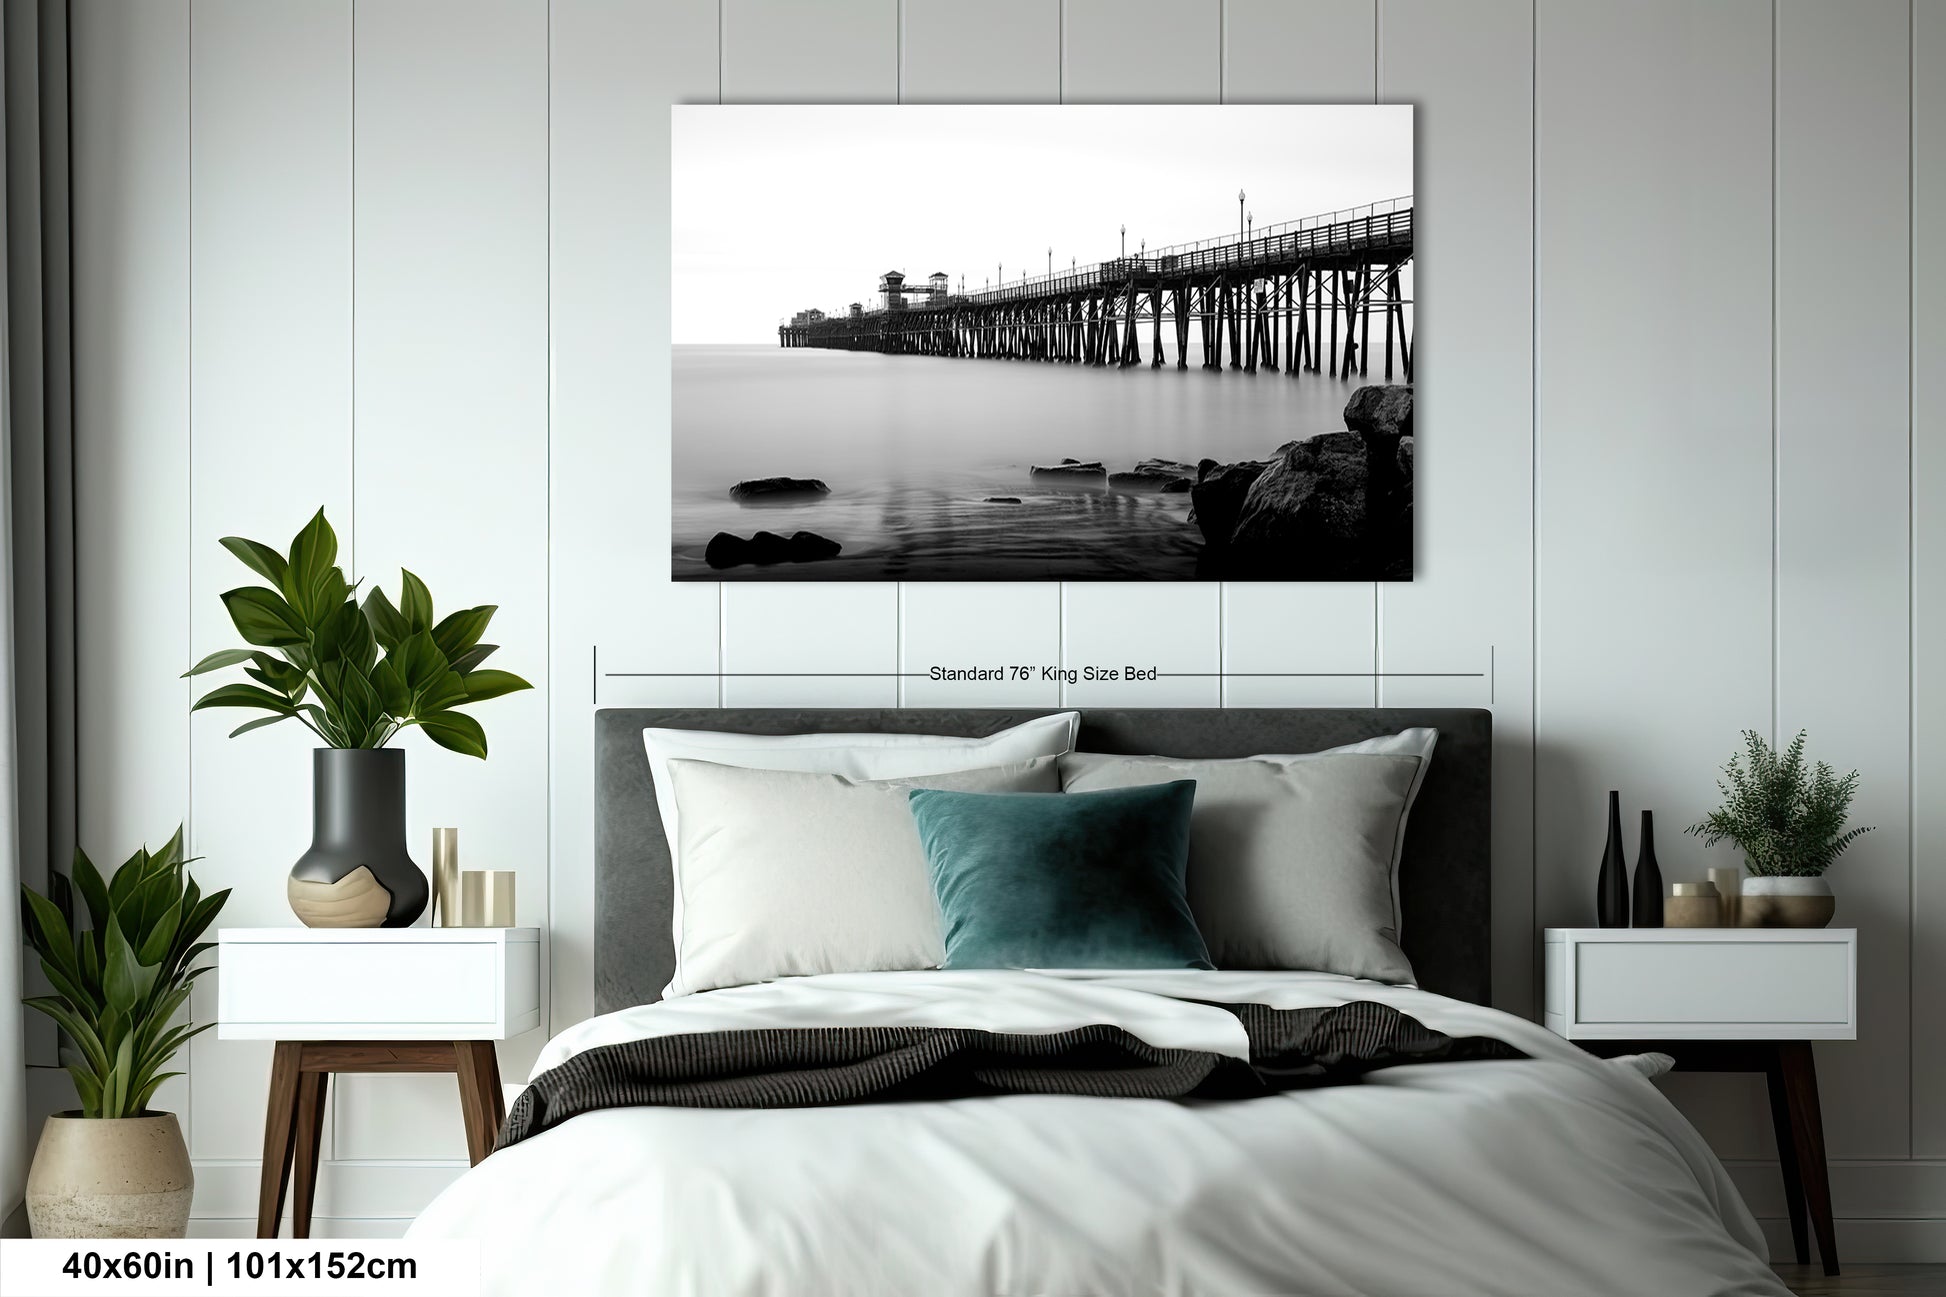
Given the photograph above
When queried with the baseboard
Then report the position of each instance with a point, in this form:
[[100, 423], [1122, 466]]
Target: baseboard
[[357, 1191], [1860, 1190], [1889, 1242], [321, 1227]]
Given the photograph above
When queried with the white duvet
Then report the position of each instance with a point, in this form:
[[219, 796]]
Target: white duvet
[[1559, 1176]]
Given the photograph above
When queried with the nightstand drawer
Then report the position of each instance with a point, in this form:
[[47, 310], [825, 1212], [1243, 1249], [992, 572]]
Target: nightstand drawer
[[377, 984], [1702, 983], [1746, 981]]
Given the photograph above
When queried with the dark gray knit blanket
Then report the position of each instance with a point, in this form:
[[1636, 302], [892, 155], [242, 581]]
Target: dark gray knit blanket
[[822, 1066]]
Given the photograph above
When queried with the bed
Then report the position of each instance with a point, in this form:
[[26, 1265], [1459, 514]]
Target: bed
[[1550, 1173]]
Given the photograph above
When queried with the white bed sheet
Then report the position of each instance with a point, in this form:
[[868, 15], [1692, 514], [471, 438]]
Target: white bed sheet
[[1557, 1176]]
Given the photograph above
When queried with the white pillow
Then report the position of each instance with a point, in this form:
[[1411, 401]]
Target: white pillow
[[788, 873], [856, 756], [1417, 742], [1290, 859]]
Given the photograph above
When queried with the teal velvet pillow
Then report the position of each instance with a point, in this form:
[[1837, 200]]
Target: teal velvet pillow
[[1062, 880]]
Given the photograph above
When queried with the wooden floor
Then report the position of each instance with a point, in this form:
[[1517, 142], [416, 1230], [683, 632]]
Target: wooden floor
[[1867, 1281]]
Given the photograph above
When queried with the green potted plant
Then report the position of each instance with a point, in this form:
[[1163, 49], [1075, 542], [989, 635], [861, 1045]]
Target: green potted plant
[[1789, 819], [356, 677], [114, 1169]]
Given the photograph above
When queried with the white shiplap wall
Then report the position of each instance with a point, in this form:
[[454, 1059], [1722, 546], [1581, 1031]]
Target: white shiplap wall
[[408, 260]]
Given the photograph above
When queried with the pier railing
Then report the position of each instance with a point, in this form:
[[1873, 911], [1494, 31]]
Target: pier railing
[[1377, 226]]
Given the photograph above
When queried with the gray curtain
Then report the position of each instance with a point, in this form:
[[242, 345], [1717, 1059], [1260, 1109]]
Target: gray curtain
[[37, 684]]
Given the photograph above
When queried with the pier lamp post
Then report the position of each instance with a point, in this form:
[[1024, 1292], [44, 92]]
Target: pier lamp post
[[1250, 227], [1240, 230], [1050, 263], [1125, 241]]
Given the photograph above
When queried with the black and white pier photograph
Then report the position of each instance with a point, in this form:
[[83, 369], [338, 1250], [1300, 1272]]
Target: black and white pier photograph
[[1006, 343]]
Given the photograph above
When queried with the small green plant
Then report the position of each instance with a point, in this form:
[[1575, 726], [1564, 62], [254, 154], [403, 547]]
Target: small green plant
[[317, 655], [119, 979], [1786, 817]]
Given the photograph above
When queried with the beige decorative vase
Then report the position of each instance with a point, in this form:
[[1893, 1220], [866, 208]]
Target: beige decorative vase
[[1785, 902], [124, 1177]]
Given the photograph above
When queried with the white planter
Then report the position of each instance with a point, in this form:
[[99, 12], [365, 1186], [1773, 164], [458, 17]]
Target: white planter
[[1785, 902], [119, 1177]]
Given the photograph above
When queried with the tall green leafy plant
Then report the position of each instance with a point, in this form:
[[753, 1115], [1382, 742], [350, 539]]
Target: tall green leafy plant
[[1785, 815], [122, 976], [355, 675]]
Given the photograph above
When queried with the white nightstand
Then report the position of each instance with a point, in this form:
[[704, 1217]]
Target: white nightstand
[[1721, 1000], [370, 1000]]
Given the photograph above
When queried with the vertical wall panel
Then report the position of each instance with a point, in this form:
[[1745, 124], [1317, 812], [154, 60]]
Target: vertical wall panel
[[270, 442], [996, 53], [785, 51], [1843, 452], [1312, 51], [131, 322], [975, 624], [1113, 626], [1000, 51], [1927, 1024], [1315, 52], [1469, 606], [811, 645], [130, 176], [832, 645], [1142, 52], [1653, 531], [618, 66], [452, 430]]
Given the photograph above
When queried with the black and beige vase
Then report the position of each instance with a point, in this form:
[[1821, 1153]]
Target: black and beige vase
[[357, 873]]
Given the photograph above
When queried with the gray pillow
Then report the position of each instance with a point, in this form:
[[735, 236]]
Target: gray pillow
[[787, 872], [1290, 858]]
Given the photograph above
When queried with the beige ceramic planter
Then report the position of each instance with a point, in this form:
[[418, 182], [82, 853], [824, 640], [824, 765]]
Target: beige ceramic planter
[[126, 1177], [1785, 903]]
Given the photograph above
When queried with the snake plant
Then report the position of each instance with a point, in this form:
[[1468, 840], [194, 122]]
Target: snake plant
[[120, 978], [317, 655]]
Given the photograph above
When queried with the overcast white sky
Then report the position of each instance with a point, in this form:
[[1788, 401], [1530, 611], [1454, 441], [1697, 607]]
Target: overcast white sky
[[776, 208]]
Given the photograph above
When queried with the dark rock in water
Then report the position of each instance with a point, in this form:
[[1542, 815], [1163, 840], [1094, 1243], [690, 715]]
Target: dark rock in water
[[1334, 506], [1150, 475], [1001, 499], [809, 547], [778, 490], [725, 550], [1404, 458], [1071, 470], [767, 547], [1380, 410], [1177, 486], [1218, 494]]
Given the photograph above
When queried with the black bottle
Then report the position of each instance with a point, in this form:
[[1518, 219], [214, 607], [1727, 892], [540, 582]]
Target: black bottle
[[1611, 888], [1648, 878]]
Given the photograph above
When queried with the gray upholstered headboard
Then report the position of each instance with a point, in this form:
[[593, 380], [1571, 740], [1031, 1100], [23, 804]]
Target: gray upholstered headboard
[[1443, 879]]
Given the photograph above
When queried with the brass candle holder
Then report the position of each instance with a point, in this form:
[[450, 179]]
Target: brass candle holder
[[486, 898], [445, 878]]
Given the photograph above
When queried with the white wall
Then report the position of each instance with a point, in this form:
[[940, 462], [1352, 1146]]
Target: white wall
[[408, 260]]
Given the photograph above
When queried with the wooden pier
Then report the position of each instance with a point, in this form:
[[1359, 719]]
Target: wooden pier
[[1300, 297]]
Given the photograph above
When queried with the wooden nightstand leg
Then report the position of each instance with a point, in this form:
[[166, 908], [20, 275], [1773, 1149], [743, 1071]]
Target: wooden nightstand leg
[[1807, 1133], [311, 1090], [1780, 1121], [278, 1131], [480, 1100]]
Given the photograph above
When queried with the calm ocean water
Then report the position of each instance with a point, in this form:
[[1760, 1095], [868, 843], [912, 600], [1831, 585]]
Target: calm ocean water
[[911, 446]]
